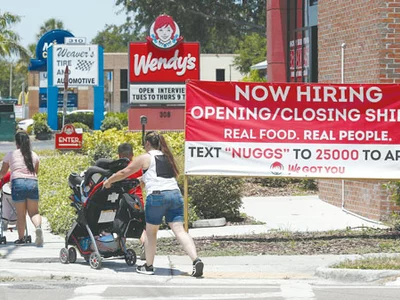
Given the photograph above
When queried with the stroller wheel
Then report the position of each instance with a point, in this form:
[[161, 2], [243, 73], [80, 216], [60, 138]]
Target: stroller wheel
[[95, 260], [3, 240], [64, 256], [28, 239], [72, 255], [130, 257]]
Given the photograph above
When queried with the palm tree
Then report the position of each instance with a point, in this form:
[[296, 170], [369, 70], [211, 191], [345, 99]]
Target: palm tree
[[9, 40], [49, 25]]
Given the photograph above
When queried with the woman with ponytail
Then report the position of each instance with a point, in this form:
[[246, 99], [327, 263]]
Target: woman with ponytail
[[164, 199], [24, 166]]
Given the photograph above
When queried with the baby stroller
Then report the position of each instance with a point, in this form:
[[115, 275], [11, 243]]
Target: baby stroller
[[105, 217], [8, 212]]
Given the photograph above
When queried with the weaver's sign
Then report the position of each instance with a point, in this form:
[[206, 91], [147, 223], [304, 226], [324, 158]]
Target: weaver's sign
[[292, 130], [68, 138], [82, 63]]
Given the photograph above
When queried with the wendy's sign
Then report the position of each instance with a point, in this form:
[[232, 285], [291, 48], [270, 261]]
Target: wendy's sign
[[164, 57], [150, 64], [164, 32]]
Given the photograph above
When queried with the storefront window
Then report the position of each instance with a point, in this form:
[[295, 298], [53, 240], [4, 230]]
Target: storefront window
[[302, 41], [124, 90]]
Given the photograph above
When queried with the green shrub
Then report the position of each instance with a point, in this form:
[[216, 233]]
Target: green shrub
[[84, 127], [29, 130], [81, 117], [309, 184], [102, 150], [111, 122], [111, 139], [40, 117], [40, 123], [305, 184], [122, 116], [274, 182], [216, 197], [54, 190], [176, 142]]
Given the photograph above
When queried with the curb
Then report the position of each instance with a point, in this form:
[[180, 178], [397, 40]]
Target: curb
[[209, 223], [352, 275]]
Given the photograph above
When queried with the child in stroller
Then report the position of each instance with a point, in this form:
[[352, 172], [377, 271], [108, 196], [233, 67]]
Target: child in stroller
[[105, 218]]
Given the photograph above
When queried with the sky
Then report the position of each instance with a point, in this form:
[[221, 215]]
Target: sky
[[83, 18]]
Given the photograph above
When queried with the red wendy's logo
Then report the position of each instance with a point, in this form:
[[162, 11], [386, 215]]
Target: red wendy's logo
[[68, 129], [276, 168], [164, 32]]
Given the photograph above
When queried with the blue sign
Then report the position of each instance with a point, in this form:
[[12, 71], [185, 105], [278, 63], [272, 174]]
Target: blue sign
[[72, 100], [55, 36], [98, 90]]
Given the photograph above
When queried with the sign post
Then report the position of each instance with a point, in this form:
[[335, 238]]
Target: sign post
[[65, 99]]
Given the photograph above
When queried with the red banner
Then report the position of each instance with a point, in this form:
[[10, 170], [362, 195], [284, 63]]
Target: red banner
[[338, 130]]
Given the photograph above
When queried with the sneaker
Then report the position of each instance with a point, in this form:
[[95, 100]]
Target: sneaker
[[198, 266], [142, 253], [39, 237], [20, 242], [145, 269]]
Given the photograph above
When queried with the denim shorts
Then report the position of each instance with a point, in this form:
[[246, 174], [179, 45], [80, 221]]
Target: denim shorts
[[164, 203], [22, 189]]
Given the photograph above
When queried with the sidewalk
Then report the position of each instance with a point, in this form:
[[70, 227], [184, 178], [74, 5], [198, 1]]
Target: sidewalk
[[279, 213]]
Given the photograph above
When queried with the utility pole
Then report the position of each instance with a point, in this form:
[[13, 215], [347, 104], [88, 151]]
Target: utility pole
[[10, 80], [65, 98]]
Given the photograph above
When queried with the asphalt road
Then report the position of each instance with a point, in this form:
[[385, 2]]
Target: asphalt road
[[6, 147], [67, 289]]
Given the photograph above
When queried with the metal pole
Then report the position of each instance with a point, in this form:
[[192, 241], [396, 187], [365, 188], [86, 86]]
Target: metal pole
[[342, 81], [186, 203], [143, 121], [65, 98], [342, 66], [10, 80]]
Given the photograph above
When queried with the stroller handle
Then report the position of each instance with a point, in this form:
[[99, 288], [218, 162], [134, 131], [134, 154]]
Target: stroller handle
[[127, 183]]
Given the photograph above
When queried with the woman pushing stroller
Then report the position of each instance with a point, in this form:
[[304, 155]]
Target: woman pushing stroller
[[163, 199], [24, 166]]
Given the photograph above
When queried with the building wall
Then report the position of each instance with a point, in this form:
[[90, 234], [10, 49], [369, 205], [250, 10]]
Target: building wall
[[371, 31], [210, 62], [358, 24], [367, 198]]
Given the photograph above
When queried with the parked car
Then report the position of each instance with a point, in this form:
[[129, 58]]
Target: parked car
[[82, 111], [24, 124]]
